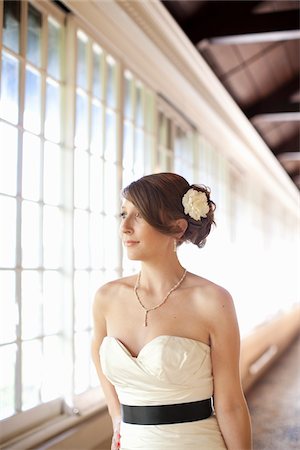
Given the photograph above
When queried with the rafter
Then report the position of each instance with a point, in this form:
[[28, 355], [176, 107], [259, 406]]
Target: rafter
[[279, 25], [212, 16], [291, 163], [296, 180], [278, 102], [291, 144]]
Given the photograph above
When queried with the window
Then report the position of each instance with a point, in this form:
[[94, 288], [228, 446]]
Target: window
[[139, 138], [138, 129], [61, 171], [95, 207], [176, 142], [31, 208]]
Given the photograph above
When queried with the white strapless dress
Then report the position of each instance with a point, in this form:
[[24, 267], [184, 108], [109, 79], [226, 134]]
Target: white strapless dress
[[168, 370]]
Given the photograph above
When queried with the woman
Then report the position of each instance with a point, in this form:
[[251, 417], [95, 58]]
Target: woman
[[169, 339]]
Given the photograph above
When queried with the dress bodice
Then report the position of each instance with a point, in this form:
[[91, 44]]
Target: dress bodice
[[168, 369]]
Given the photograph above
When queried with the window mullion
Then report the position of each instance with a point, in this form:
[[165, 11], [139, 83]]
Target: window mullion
[[68, 129], [43, 74], [1, 22], [154, 132], [120, 143], [22, 64], [89, 131]]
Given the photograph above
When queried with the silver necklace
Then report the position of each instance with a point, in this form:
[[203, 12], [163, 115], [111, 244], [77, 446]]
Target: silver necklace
[[147, 310]]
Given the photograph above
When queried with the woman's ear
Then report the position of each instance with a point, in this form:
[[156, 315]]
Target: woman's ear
[[181, 226]]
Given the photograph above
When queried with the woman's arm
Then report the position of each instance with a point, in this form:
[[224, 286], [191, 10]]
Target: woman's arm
[[111, 397], [229, 401]]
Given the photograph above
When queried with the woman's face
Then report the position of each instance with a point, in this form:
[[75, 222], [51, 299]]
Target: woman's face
[[142, 241]]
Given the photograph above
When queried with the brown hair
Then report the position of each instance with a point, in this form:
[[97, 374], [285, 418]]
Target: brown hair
[[158, 197]]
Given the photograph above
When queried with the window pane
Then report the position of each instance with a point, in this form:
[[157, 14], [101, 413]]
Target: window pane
[[162, 130], [32, 365], [30, 234], [96, 184], [54, 48], [97, 129], [52, 174], [111, 198], [31, 304], [7, 232], [139, 110], [81, 131], [52, 237], [149, 152], [8, 307], [81, 179], [7, 380], [139, 154], [111, 89], [11, 25], [53, 368], [32, 111], [96, 240], [8, 159], [31, 167], [127, 177], [52, 119], [111, 251], [82, 306], [96, 280], [53, 302], [82, 52], [81, 239], [149, 111], [128, 146], [34, 33], [97, 71], [128, 94], [110, 138], [9, 104], [82, 361]]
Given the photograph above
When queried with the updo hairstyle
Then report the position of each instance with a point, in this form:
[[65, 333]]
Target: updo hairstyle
[[158, 197]]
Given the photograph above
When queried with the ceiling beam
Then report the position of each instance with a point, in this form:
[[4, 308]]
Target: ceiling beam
[[289, 156], [277, 117], [277, 102], [211, 15], [244, 28], [292, 167], [290, 144], [296, 180], [252, 38]]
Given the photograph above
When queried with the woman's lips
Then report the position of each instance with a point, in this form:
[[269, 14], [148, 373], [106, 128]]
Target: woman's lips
[[130, 243]]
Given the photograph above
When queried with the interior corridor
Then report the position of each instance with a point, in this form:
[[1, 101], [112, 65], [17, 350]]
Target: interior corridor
[[274, 403]]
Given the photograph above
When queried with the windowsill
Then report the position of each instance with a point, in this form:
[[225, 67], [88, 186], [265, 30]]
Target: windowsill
[[70, 416]]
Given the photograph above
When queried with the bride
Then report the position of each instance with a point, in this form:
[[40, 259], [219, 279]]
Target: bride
[[166, 341]]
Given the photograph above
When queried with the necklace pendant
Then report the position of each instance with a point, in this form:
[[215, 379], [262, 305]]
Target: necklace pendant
[[146, 319], [135, 289]]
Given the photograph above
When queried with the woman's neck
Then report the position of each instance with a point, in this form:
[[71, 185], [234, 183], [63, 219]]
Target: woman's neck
[[158, 276]]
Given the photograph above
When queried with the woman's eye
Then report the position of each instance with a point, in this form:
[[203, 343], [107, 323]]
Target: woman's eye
[[123, 215]]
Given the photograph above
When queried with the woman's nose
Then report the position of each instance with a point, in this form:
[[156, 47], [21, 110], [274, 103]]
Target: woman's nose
[[125, 226]]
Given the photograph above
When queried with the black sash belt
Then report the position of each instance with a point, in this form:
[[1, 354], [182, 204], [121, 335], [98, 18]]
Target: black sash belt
[[166, 414]]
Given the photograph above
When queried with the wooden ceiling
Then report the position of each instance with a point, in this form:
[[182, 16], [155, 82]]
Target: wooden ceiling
[[253, 47]]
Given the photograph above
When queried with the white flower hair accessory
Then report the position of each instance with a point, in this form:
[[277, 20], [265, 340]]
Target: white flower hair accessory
[[195, 204]]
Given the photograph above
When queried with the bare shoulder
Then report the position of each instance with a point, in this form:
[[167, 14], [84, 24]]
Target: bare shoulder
[[106, 293], [215, 298]]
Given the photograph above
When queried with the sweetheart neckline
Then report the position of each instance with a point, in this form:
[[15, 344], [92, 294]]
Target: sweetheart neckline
[[153, 340]]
